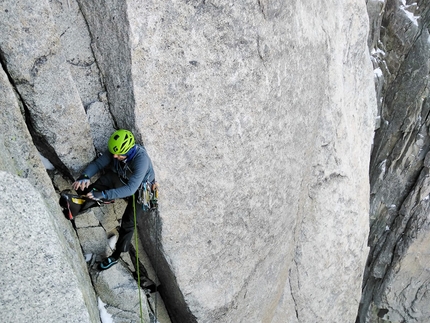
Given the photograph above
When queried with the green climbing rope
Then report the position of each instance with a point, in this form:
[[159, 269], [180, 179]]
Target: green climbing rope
[[137, 259]]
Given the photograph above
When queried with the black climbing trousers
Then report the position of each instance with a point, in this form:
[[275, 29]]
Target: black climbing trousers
[[127, 226], [108, 181]]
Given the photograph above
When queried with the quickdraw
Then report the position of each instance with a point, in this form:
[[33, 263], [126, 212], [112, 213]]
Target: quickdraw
[[148, 195]]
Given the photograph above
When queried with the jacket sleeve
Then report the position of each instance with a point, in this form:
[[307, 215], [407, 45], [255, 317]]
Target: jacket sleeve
[[139, 169], [97, 165]]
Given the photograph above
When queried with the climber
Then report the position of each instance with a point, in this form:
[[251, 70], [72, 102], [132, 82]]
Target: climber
[[127, 167]]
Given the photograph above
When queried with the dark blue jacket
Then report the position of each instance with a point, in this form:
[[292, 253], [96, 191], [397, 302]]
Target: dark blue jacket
[[132, 172]]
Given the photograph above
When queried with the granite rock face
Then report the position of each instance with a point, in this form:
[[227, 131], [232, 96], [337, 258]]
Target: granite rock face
[[32, 56], [266, 117], [19, 154], [395, 287], [36, 238], [259, 118], [43, 278]]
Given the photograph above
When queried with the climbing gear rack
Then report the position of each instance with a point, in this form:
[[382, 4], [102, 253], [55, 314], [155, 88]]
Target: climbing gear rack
[[148, 195]]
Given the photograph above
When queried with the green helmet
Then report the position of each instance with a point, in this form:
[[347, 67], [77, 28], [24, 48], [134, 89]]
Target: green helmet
[[121, 142]]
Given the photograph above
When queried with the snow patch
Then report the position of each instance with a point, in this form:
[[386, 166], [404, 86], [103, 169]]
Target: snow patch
[[46, 162], [410, 15], [88, 257], [104, 315], [378, 72], [112, 242], [377, 51]]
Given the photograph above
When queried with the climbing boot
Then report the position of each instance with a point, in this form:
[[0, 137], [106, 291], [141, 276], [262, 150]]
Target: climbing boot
[[107, 263]]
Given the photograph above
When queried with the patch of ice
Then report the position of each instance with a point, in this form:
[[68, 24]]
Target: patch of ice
[[88, 257], [376, 51]]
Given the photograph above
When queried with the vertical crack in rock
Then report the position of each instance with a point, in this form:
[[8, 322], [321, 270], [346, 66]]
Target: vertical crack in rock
[[102, 81], [44, 147], [38, 140], [262, 50], [109, 28], [150, 235], [292, 294], [262, 5]]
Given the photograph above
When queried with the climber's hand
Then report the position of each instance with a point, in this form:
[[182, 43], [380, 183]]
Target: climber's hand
[[81, 183], [96, 195]]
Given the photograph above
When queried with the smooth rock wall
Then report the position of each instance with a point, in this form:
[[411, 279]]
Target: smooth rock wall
[[259, 118]]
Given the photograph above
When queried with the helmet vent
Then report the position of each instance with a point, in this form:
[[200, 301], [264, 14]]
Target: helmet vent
[[121, 142]]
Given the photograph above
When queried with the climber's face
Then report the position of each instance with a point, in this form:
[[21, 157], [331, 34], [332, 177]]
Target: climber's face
[[120, 157]]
